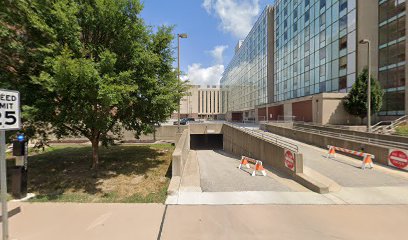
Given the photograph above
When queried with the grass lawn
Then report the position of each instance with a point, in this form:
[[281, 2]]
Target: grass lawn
[[127, 173], [402, 130]]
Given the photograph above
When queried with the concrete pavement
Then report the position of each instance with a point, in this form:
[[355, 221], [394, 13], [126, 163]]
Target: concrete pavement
[[219, 173], [223, 183], [45, 221], [68, 221], [285, 222]]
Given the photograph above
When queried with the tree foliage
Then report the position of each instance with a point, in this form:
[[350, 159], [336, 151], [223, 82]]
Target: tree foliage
[[356, 101], [91, 67]]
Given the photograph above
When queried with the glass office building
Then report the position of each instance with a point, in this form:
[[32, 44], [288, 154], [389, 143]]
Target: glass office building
[[392, 55], [303, 55], [315, 47], [244, 82]]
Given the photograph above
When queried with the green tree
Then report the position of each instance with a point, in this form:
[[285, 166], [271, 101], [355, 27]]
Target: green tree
[[102, 69], [356, 101]]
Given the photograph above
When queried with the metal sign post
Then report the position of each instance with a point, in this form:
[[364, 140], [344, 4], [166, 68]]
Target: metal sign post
[[9, 120], [4, 211]]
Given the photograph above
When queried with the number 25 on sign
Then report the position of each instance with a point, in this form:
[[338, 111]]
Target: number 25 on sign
[[9, 110], [9, 120]]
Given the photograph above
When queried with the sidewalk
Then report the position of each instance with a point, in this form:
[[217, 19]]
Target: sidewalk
[[69, 221], [265, 222]]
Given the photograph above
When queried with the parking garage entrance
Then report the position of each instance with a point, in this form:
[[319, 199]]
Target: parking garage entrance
[[206, 141]]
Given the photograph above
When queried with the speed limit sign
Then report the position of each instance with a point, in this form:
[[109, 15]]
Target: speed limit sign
[[9, 120], [9, 110]]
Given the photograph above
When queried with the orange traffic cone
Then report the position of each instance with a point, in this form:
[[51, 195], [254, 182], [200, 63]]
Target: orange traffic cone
[[367, 161], [332, 152], [244, 161], [259, 167]]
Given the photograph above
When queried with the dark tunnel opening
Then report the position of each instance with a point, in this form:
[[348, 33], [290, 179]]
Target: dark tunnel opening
[[206, 141]]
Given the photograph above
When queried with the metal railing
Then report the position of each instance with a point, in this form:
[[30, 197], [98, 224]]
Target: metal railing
[[267, 137], [388, 126], [355, 138]]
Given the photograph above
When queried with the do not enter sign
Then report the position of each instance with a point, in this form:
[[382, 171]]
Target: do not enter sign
[[290, 159], [398, 158]]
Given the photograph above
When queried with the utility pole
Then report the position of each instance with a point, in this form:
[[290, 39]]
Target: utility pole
[[182, 35]]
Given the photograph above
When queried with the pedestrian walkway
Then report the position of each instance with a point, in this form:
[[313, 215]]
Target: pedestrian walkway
[[99, 221], [285, 222], [84, 221]]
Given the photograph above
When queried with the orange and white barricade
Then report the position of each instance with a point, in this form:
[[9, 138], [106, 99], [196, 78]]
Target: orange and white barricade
[[258, 165], [332, 152], [244, 162], [367, 157], [367, 161]]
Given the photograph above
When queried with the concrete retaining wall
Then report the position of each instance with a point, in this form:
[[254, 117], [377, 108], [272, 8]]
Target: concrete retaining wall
[[356, 133], [380, 152], [205, 128], [273, 157], [242, 144], [180, 154]]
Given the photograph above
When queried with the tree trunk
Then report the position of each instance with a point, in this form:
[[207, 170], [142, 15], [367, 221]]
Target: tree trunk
[[95, 153]]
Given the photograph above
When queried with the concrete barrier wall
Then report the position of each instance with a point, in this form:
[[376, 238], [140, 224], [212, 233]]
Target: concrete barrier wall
[[205, 128], [166, 133], [356, 133], [243, 144], [180, 154], [380, 152]]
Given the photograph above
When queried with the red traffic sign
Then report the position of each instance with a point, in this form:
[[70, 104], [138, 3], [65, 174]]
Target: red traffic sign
[[290, 160], [398, 158]]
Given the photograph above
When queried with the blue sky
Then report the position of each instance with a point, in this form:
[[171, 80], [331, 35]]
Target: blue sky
[[213, 28]]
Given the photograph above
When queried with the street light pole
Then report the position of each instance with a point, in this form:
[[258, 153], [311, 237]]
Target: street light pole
[[366, 41], [182, 35]]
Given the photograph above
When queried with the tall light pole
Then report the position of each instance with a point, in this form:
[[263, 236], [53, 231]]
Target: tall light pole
[[366, 41], [180, 35]]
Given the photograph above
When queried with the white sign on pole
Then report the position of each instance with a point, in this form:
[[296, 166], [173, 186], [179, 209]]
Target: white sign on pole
[[9, 120], [9, 110]]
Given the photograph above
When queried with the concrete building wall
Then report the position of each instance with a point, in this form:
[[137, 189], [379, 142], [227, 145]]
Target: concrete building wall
[[275, 111], [323, 108], [367, 28], [303, 110], [201, 102]]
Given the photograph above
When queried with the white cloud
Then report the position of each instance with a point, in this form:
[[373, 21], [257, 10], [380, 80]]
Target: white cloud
[[199, 75], [218, 53], [237, 16], [207, 4]]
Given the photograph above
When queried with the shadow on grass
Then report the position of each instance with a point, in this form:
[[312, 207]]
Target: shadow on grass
[[52, 173]]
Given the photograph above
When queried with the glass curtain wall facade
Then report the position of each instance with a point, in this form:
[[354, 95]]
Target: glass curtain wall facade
[[315, 47], [244, 82], [392, 59]]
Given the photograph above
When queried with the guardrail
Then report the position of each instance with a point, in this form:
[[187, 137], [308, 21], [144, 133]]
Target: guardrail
[[356, 138], [275, 140]]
